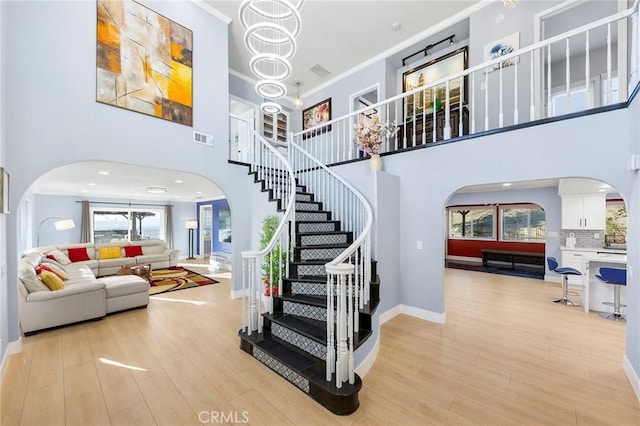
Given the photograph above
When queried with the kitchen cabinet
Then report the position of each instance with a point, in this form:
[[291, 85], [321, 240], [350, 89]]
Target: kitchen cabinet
[[584, 212], [275, 127], [573, 259]]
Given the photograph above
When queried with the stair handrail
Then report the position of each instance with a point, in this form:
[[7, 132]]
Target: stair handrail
[[348, 285], [251, 318], [634, 72]]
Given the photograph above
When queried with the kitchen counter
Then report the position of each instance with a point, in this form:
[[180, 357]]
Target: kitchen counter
[[594, 291], [594, 250]]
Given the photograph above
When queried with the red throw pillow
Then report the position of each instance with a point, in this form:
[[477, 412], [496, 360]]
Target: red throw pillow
[[78, 254], [52, 257], [132, 251]]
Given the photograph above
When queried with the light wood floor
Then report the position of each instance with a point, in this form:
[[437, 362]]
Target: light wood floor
[[506, 356]]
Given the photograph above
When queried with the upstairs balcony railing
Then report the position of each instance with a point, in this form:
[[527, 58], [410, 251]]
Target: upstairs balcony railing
[[567, 73]]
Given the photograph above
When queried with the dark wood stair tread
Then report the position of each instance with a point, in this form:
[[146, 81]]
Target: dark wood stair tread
[[313, 329], [320, 301], [291, 358]]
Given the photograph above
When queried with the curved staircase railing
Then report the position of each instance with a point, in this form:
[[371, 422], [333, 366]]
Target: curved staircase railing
[[348, 274], [276, 176]]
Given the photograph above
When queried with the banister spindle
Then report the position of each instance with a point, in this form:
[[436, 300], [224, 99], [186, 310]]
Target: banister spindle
[[500, 114], [515, 92], [549, 109], [608, 98], [433, 125], [424, 116], [447, 111], [473, 103], [486, 99], [568, 75], [587, 70]]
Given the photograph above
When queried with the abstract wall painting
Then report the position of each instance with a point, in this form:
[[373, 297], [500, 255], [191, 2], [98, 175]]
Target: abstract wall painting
[[144, 61]]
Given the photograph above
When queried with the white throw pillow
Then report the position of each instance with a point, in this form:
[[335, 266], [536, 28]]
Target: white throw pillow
[[60, 257]]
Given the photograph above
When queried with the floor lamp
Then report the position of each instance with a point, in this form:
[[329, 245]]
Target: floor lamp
[[191, 225], [60, 225]]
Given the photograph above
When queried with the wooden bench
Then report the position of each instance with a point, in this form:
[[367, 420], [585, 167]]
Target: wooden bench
[[513, 257]]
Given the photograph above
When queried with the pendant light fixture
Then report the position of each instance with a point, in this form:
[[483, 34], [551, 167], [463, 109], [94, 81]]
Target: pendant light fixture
[[271, 28]]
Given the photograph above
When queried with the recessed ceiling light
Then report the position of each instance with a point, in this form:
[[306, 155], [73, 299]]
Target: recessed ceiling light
[[104, 173], [178, 181], [602, 190], [396, 26], [199, 192], [506, 184], [177, 196], [91, 184], [605, 185], [156, 190]]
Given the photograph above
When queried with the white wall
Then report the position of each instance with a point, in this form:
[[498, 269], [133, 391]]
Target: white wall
[[4, 321], [54, 119], [428, 177]]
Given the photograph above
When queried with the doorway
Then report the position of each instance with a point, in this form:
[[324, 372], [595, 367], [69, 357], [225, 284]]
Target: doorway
[[206, 228]]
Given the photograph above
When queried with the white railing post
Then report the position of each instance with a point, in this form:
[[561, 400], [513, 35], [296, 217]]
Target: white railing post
[[447, 112], [345, 366], [635, 55], [568, 75], [587, 70]]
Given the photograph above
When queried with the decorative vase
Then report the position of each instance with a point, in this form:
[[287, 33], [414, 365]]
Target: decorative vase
[[375, 163]]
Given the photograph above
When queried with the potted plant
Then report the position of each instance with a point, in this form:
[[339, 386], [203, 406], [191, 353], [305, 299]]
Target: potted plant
[[273, 264]]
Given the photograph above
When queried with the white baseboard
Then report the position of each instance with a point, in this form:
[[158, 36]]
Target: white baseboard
[[631, 375], [436, 317], [12, 348], [237, 294], [367, 363]]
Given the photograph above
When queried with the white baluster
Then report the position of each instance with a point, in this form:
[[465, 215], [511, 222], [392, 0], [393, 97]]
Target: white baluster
[[515, 92], [473, 103], [424, 116], [635, 57], [350, 325], [460, 130], [568, 75], [447, 113], [549, 106], [331, 353], [608, 99], [433, 125], [414, 116], [587, 70], [500, 114], [486, 99]]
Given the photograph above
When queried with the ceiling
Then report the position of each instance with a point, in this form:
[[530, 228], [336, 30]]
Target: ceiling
[[340, 35], [505, 186], [89, 179]]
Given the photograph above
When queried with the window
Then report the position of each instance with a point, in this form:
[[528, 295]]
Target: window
[[127, 224], [471, 222], [522, 223], [616, 225], [224, 226], [605, 90]]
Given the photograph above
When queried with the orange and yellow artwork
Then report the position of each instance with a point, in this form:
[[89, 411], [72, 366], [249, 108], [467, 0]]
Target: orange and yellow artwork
[[144, 61]]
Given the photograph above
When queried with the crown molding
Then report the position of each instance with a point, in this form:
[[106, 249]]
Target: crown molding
[[212, 10]]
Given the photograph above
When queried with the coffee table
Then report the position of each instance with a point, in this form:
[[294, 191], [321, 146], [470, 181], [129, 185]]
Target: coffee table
[[143, 270]]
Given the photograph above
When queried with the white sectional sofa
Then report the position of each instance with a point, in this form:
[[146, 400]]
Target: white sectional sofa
[[92, 289]]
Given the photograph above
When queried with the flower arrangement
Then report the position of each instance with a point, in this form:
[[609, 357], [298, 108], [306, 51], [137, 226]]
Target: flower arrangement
[[369, 134]]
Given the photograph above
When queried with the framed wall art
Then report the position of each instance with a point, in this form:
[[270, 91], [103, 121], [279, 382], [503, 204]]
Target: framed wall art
[[502, 47], [316, 115], [425, 101], [144, 61]]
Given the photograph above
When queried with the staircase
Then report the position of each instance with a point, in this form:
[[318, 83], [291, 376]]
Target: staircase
[[293, 341]]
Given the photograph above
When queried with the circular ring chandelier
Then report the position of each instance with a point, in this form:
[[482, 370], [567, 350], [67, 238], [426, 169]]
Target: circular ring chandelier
[[270, 67], [256, 41], [271, 89], [290, 16], [271, 28], [271, 108]]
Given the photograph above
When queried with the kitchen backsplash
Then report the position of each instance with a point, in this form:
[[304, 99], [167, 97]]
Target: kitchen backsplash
[[583, 238]]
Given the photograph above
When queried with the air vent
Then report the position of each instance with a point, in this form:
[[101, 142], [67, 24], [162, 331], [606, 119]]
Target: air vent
[[203, 138], [319, 70]]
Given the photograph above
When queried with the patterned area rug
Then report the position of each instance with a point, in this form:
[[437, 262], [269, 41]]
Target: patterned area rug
[[176, 278]]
